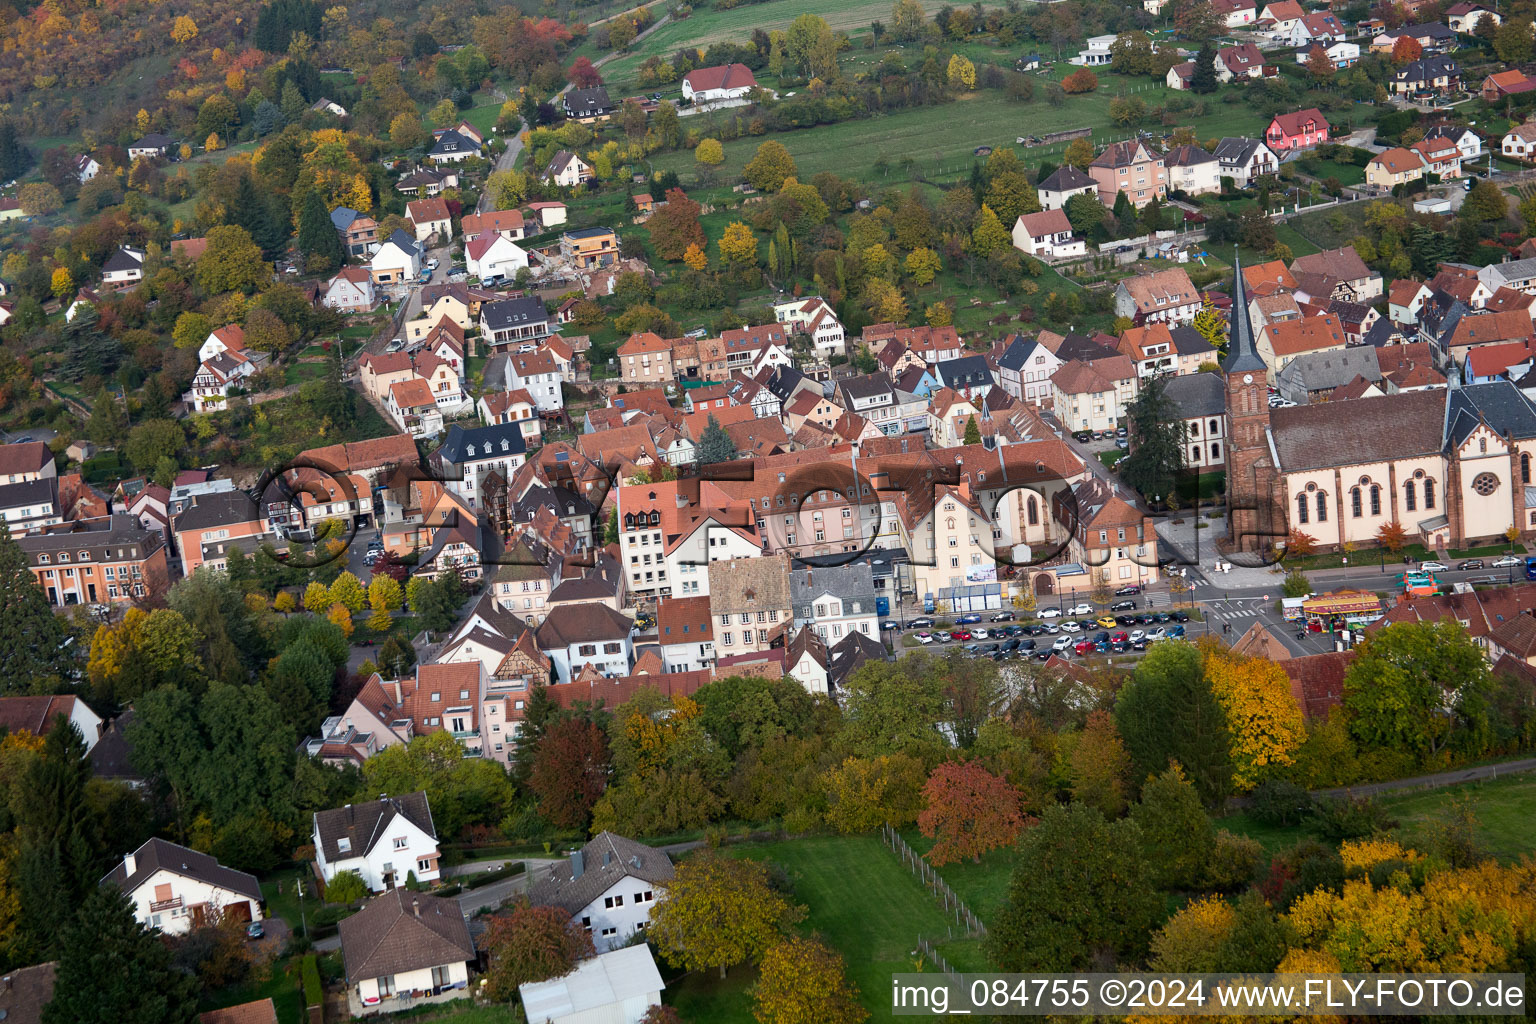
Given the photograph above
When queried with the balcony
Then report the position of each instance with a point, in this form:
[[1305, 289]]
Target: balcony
[[161, 905]]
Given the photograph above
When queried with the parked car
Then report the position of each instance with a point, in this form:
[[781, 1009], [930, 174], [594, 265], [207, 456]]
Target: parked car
[[1157, 633], [1176, 630], [922, 623], [1083, 435], [1083, 647], [980, 634], [1470, 563], [1506, 562], [1050, 613], [1122, 444], [1434, 566], [1027, 645], [1119, 635], [1081, 609], [1071, 627], [924, 638], [1002, 617], [1131, 590], [1063, 643], [888, 624], [1119, 646], [944, 638], [967, 620], [1123, 606], [1181, 616], [255, 930], [1137, 634], [1106, 621], [1044, 654]]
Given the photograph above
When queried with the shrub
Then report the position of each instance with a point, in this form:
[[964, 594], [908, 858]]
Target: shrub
[[1342, 818], [1234, 861], [314, 992], [1281, 803]]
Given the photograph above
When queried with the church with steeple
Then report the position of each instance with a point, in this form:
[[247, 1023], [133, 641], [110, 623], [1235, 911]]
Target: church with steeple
[[1451, 466]]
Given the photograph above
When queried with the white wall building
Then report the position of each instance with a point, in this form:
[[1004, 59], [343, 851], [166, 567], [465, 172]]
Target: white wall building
[[175, 889], [608, 887], [384, 841]]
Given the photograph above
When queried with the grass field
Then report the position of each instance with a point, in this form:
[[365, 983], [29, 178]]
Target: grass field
[[860, 900], [940, 141], [280, 986], [1504, 809], [705, 26]]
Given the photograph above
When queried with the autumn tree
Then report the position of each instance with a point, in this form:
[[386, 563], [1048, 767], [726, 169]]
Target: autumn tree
[[1262, 716], [1098, 766], [969, 811], [570, 771], [1319, 64], [39, 199], [582, 74], [864, 793], [1080, 81], [961, 73], [532, 944], [720, 911], [1512, 41], [317, 598], [709, 153], [922, 265], [675, 226], [769, 166], [695, 259], [907, 19], [1079, 154], [1406, 50], [1079, 895], [802, 981], [1300, 544], [231, 262], [738, 246], [988, 236]]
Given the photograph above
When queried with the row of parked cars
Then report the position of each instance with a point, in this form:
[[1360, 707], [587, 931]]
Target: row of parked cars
[[1072, 635]]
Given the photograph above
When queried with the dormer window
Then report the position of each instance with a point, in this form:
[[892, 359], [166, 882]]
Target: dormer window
[[344, 845]]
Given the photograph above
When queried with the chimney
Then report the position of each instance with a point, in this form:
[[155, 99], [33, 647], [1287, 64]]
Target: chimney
[[416, 906], [130, 865], [577, 865]]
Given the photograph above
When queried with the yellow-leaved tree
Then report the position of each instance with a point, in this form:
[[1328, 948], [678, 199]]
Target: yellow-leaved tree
[[317, 598], [961, 73], [184, 30], [1263, 717], [738, 246], [695, 258], [801, 981]]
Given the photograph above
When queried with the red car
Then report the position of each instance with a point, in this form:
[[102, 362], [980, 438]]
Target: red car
[[1084, 647], [1120, 635], [960, 635]]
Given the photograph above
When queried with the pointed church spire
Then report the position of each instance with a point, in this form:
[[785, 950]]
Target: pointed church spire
[[1242, 354]]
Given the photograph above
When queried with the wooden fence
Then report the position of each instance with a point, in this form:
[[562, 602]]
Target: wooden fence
[[969, 923]]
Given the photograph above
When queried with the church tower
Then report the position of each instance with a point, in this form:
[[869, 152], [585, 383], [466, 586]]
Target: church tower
[[1248, 498]]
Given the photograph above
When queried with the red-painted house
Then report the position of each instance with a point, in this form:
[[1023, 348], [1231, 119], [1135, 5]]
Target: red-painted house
[[1302, 129]]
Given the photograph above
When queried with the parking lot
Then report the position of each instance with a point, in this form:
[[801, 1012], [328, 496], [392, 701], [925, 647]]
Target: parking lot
[[1079, 633]]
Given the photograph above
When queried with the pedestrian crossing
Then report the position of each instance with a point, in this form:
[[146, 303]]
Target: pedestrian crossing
[[1234, 613]]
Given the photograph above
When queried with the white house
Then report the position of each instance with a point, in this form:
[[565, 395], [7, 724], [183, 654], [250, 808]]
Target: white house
[[1341, 54], [718, 84], [568, 170], [398, 260], [86, 167], [1064, 183], [468, 455], [1245, 160], [493, 255], [617, 987], [1467, 141], [1192, 170], [683, 627], [124, 267], [216, 378], [574, 637], [350, 291], [324, 105], [430, 218], [1048, 235], [385, 841], [608, 887], [413, 407], [1098, 53], [404, 949], [174, 889], [1462, 18], [835, 600], [813, 317]]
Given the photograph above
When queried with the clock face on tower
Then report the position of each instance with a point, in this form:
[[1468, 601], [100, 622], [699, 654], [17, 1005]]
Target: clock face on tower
[[1247, 378]]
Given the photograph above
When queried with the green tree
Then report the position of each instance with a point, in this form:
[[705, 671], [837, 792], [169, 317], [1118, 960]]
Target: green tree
[[896, 707], [1512, 41], [1417, 688], [33, 658], [347, 590], [318, 239], [1157, 440], [232, 262], [1079, 896], [109, 424], [462, 791], [191, 330], [802, 981], [770, 165], [1296, 584], [1167, 714], [811, 47], [907, 19], [153, 440], [715, 445], [1176, 834], [720, 911], [1486, 203], [346, 887], [114, 970], [972, 431], [1204, 78]]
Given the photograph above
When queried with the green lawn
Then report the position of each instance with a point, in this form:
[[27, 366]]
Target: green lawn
[[280, 986], [1504, 809], [298, 373], [940, 140], [286, 903], [705, 26], [860, 899]]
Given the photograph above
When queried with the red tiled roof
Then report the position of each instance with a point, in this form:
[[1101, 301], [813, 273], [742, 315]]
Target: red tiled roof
[[723, 76]]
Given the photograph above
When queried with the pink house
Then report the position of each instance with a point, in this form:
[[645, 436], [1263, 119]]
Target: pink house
[[1300, 130]]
